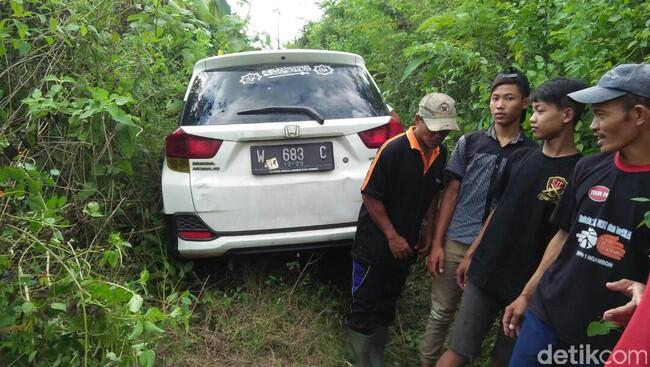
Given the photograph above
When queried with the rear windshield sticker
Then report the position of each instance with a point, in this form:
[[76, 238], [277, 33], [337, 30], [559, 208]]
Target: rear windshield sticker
[[251, 78]]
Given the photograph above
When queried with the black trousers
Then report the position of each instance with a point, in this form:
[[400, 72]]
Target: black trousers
[[375, 290]]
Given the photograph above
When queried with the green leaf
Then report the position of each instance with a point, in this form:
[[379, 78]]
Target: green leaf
[[22, 28], [71, 27], [27, 308], [17, 8], [641, 200], [22, 46], [54, 89], [144, 277], [410, 68], [136, 17], [147, 358], [120, 116], [98, 94], [614, 18], [152, 328], [135, 303], [55, 172], [173, 107], [137, 330], [646, 219], [600, 328], [203, 11], [59, 306], [175, 312], [154, 314], [120, 100], [92, 209], [53, 24], [87, 190], [126, 145], [112, 258], [113, 357], [125, 166]]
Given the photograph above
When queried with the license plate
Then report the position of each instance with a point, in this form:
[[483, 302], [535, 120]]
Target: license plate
[[272, 159]]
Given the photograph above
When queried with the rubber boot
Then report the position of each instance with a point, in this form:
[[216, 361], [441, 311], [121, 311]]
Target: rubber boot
[[361, 346], [379, 339]]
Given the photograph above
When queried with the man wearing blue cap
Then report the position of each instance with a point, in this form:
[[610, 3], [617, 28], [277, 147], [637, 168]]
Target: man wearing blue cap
[[599, 238]]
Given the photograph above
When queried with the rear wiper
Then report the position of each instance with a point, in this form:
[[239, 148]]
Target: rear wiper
[[282, 109]]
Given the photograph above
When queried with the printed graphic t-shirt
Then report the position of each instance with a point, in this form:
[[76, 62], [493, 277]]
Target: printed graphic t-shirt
[[514, 241], [605, 244]]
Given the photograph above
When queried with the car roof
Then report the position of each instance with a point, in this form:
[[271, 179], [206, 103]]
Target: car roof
[[290, 56]]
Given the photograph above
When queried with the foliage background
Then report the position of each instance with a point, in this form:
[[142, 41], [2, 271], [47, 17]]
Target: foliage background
[[414, 47], [89, 89]]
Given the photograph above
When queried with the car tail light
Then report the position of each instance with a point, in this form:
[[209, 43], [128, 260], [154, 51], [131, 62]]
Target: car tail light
[[195, 235], [181, 146], [374, 138], [191, 228]]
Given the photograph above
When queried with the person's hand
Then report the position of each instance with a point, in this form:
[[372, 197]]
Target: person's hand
[[436, 260], [621, 315], [513, 316], [461, 271], [424, 247], [399, 247]]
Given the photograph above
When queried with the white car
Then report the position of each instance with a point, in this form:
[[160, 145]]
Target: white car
[[271, 152]]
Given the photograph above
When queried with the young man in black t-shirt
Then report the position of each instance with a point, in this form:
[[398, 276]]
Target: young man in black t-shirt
[[599, 238], [513, 238], [399, 190]]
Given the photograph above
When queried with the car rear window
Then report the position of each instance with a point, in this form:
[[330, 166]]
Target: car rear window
[[334, 91]]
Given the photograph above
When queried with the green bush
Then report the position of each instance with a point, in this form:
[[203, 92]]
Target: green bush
[[414, 47], [88, 90]]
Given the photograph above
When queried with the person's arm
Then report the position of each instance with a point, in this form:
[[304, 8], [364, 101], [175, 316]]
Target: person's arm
[[397, 244], [461, 271], [512, 316], [429, 227], [447, 206], [621, 315]]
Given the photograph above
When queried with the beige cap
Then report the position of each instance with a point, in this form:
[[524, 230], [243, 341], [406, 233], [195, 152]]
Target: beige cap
[[438, 111]]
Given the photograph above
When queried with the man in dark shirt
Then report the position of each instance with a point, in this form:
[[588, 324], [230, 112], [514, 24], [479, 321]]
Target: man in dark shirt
[[599, 239], [397, 193], [466, 202], [510, 245]]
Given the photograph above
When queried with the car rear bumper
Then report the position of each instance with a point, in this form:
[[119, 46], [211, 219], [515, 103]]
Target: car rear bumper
[[265, 242]]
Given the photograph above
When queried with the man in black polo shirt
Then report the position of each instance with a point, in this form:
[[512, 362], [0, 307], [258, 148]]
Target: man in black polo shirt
[[398, 192], [599, 239]]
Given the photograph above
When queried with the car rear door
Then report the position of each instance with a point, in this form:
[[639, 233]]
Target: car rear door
[[281, 168]]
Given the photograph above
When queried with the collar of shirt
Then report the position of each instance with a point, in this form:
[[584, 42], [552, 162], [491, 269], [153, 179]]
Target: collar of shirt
[[415, 145], [491, 132]]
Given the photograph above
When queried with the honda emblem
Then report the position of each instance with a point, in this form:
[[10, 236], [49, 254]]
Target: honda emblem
[[292, 131]]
